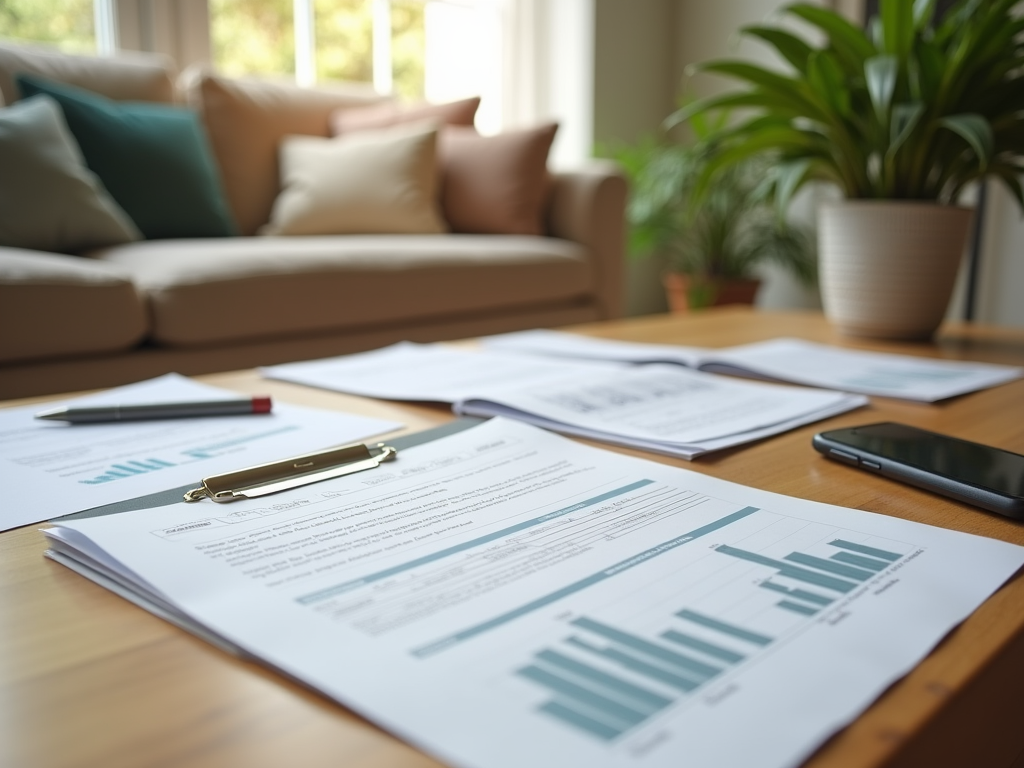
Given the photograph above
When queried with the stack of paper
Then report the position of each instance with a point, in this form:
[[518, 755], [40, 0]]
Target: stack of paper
[[504, 597], [52, 469], [789, 360], [659, 408]]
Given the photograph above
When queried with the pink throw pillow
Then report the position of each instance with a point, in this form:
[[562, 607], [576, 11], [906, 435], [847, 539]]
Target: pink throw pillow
[[385, 115], [495, 185]]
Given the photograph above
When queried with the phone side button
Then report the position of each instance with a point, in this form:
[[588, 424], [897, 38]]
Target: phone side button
[[870, 464], [849, 458]]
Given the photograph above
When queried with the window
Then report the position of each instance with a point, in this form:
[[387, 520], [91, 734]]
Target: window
[[505, 51], [413, 48], [68, 24]]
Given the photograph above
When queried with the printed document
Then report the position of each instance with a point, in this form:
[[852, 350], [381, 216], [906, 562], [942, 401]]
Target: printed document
[[659, 408], [504, 597], [789, 360], [51, 469]]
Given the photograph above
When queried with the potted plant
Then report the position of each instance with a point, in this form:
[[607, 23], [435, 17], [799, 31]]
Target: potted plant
[[711, 241], [901, 117]]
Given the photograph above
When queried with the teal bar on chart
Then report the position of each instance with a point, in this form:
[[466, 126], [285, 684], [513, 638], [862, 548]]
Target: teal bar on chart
[[817, 579], [655, 651], [771, 585], [724, 627], [615, 711], [860, 561], [579, 720], [811, 597], [704, 647], [803, 610], [126, 468], [839, 569], [651, 671], [645, 699], [865, 550], [801, 594], [791, 571]]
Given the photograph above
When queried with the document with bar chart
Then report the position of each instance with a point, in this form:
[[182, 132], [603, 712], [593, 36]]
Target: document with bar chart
[[50, 469], [504, 597]]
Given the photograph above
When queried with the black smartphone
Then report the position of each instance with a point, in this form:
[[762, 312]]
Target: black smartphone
[[977, 474]]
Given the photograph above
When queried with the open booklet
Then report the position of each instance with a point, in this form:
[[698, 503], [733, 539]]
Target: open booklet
[[661, 408], [503, 597], [51, 469], [788, 360]]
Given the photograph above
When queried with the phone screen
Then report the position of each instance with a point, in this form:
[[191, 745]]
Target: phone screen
[[979, 465]]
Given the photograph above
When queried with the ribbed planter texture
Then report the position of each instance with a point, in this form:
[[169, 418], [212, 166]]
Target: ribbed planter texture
[[887, 268], [686, 293]]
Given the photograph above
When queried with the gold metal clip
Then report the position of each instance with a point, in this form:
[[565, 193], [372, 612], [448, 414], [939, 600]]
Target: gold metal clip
[[302, 470]]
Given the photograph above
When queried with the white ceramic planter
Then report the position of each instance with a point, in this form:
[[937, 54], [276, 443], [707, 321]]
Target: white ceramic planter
[[888, 267]]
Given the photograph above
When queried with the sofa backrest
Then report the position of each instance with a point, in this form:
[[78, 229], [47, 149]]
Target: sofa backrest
[[246, 120], [126, 77]]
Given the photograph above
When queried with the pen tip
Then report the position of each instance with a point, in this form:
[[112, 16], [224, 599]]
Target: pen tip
[[54, 414]]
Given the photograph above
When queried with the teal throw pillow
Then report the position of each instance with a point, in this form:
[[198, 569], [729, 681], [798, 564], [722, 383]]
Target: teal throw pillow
[[49, 200], [154, 159]]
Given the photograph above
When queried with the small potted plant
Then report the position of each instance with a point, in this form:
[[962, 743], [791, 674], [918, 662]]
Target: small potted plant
[[712, 239], [901, 117]]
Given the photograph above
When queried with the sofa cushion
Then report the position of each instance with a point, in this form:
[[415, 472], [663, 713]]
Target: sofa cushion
[[153, 158], [382, 182], [215, 291], [247, 119], [495, 184], [127, 76], [53, 305], [462, 112], [49, 200]]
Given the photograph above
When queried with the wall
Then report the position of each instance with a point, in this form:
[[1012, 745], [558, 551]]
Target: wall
[[1001, 274], [635, 84]]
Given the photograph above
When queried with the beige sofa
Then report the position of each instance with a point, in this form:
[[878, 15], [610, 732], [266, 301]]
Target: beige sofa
[[136, 310]]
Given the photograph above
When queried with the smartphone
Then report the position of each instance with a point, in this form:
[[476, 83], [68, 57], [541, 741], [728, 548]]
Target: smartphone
[[977, 474]]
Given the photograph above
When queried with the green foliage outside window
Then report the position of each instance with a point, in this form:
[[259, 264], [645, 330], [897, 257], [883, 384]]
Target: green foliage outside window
[[253, 37], [408, 47], [344, 40], [67, 24], [257, 37]]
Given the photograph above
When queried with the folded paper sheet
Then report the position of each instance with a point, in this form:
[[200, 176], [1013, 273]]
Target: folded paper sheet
[[789, 360], [662, 408]]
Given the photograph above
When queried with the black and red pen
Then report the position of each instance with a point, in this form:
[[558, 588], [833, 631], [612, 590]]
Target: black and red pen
[[97, 414]]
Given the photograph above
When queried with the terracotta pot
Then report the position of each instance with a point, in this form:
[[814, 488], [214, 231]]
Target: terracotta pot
[[686, 293], [888, 267]]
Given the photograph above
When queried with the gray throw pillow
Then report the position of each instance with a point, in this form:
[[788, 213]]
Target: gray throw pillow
[[49, 199]]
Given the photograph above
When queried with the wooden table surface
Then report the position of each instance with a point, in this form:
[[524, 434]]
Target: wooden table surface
[[87, 679]]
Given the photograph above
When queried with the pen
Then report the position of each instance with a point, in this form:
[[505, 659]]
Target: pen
[[137, 412]]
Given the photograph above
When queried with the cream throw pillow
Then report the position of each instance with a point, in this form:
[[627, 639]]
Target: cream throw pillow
[[49, 199], [380, 182]]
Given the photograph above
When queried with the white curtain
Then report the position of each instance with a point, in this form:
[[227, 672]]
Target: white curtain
[[548, 71]]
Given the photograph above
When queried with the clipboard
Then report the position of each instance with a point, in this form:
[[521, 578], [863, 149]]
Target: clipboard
[[176, 495], [104, 577]]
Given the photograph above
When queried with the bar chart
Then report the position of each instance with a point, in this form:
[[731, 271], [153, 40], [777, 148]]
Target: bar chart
[[127, 469], [840, 573], [606, 678]]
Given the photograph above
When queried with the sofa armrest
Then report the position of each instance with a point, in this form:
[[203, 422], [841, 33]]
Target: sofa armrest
[[588, 206]]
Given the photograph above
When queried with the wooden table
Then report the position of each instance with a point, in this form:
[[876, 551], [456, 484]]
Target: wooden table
[[86, 679]]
